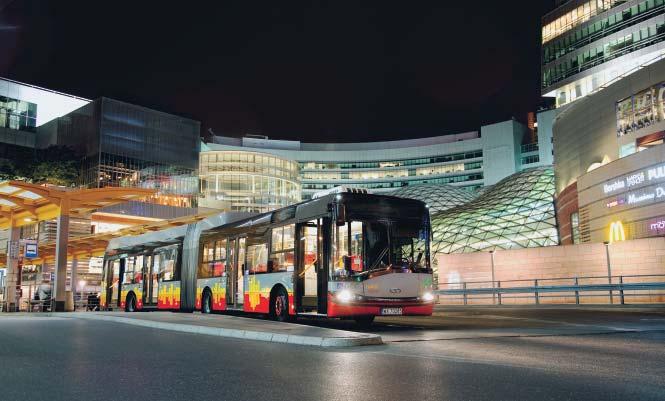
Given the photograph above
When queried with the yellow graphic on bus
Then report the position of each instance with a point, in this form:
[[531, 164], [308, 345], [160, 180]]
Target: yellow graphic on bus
[[617, 233], [254, 292]]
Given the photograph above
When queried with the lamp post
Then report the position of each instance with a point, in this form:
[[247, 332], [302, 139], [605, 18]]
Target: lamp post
[[609, 269], [493, 282]]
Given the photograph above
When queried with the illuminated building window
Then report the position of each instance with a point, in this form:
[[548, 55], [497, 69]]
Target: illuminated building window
[[247, 181], [575, 227]]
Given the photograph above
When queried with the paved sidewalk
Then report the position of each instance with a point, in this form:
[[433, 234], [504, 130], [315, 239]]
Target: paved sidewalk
[[235, 327]]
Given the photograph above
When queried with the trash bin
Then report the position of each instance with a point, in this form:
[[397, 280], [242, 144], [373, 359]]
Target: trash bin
[[69, 301]]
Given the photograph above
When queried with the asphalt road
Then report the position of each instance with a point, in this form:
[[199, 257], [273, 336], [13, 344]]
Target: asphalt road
[[491, 356]]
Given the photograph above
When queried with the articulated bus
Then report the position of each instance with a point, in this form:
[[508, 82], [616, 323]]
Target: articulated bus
[[345, 255]]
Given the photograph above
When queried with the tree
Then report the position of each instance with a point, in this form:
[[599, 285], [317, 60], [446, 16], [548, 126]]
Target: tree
[[56, 165]]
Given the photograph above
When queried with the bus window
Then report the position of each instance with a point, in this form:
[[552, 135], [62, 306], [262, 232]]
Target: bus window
[[257, 255], [128, 277], [283, 248], [348, 243], [138, 270], [214, 259], [168, 265], [356, 246]]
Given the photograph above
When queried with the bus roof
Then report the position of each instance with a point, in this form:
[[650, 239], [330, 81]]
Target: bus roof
[[240, 220]]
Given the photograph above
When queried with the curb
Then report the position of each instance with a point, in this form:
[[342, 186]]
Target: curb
[[368, 339]]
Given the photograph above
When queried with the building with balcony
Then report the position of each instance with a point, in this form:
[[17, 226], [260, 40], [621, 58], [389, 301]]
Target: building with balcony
[[587, 44]]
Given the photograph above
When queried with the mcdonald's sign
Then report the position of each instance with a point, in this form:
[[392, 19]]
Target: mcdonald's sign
[[617, 233]]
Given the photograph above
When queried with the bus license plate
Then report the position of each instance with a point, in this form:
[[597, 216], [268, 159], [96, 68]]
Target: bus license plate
[[391, 311]]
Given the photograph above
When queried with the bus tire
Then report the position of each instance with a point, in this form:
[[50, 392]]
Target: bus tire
[[364, 321], [130, 304], [206, 302], [279, 305]]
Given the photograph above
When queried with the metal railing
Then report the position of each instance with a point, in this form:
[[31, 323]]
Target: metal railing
[[536, 290]]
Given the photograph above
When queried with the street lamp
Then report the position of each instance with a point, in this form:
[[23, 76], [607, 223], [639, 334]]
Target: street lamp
[[609, 269], [493, 282]]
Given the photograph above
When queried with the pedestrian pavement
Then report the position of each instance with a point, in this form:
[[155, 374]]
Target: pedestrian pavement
[[234, 327]]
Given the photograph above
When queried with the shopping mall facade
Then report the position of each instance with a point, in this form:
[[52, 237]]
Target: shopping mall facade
[[610, 158]]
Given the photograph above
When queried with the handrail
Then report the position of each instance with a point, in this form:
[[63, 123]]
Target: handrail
[[498, 288], [555, 288], [556, 279]]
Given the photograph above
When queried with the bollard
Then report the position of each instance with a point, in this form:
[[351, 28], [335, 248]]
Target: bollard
[[537, 298], [498, 286], [464, 288], [621, 289], [577, 293]]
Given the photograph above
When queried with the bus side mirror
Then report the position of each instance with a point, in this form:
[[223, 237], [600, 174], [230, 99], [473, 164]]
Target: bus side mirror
[[340, 212]]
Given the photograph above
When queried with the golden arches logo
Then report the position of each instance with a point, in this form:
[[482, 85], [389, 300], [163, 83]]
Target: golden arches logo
[[617, 233]]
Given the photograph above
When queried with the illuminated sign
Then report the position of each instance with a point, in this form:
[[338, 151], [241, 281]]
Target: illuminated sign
[[607, 188], [648, 175], [657, 226], [617, 233]]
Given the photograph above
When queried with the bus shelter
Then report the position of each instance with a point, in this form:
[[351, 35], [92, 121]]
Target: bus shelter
[[23, 203]]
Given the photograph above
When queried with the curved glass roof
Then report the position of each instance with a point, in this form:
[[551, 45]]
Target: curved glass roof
[[517, 212], [437, 197]]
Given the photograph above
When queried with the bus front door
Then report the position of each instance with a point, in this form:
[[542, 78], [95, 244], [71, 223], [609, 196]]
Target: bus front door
[[150, 283], [234, 278], [309, 267]]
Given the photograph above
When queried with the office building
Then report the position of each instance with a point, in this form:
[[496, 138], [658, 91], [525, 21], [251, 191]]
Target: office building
[[24, 108], [125, 145], [468, 160], [588, 44]]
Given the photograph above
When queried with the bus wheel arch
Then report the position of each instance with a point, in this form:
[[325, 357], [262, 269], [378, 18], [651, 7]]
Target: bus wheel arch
[[130, 302], [206, 300], [279, 303]]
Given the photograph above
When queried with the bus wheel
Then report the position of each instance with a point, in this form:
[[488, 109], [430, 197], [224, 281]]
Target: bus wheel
[[131, 304], [279, 305], [205, 304], [364, 321]]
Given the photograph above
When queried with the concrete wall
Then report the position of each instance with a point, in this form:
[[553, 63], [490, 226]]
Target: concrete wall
[[501, 145], [637, 257], [545, 144]]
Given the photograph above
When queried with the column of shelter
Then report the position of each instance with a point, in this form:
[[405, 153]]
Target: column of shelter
[[61, 241], [12, 277]]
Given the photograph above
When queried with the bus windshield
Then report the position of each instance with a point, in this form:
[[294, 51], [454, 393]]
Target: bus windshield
[[364, 246]]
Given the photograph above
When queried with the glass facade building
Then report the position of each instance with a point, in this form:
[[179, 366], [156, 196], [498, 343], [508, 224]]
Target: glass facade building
[[469, 160], [124, 145], [517, 212], [587, 44], [247, 181]]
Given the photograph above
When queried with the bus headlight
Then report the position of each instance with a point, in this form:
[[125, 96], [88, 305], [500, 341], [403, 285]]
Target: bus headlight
[[427, 297], [344, 296]]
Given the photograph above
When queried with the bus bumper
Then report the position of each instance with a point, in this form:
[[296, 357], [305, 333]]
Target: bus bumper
[[359, 309]]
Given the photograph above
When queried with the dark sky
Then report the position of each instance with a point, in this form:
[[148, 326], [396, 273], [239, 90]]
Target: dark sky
[[339, 70]]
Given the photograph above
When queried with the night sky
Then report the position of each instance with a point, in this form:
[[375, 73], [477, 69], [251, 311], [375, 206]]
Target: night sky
[[317, 71]]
